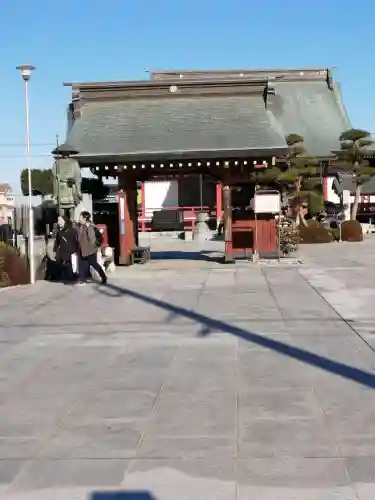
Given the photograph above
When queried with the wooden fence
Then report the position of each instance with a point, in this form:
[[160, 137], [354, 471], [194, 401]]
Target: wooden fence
[[254, 235]]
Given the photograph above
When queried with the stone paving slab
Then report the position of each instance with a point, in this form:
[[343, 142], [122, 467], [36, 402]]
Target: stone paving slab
[[193, 381]]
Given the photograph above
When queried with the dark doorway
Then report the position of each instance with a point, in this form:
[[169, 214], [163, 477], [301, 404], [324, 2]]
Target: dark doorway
[[190, 191]]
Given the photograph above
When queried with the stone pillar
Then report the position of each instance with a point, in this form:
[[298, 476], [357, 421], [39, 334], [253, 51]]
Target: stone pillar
[[227, 206]]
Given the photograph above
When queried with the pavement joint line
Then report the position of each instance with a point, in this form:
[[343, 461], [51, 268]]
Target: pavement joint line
[[237, 417], [329, 428], [341, 317], [157, 399], [272, 294], [30, 311], [203, 330], [59, 425], [146, 323], [150, 424], [325, 418], [27, 380]]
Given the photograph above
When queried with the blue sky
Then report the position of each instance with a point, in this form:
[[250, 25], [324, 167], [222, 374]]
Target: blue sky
[[98, 40]]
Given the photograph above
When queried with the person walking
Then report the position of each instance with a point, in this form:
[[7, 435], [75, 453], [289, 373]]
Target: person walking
[[89, 240], [66, 249]]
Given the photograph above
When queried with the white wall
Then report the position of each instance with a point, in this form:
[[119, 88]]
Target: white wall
[[332, 196], [159, 195], [7, 204]]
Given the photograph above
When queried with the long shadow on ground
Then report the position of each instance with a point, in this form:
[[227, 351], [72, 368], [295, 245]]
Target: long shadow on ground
[[209, 325], [186, 255], [122, 495]]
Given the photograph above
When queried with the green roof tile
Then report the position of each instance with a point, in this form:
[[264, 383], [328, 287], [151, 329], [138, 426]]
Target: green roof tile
[[138, 126], [169, 126], [311, 110]]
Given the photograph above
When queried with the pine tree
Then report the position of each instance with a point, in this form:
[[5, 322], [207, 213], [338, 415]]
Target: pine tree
[[352, 158], [297, 179], [41, 182]]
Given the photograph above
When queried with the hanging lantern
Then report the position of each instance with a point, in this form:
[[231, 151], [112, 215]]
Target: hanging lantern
[[260, 165]]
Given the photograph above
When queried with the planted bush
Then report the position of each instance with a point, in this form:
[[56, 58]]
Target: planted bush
[[351, 230], [288, 237], [335, 232], [314, 232], [313, 223], [13, 267]]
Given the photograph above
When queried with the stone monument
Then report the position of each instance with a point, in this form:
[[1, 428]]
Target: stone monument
[[201, 230], [67, 180]]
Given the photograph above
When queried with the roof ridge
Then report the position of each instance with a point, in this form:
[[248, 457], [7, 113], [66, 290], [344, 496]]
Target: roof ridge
[[239, 70], [160, 83]]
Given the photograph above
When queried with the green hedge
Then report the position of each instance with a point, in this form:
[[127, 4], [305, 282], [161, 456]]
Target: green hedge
[[335, 232], [351, 230], [314, 232], [13, 267]]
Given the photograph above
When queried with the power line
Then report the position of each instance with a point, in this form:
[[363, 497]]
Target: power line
[[20, 157], [23, 145]]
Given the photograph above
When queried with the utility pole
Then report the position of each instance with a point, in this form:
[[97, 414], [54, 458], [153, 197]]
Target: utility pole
[[26, 70], [58, 178]]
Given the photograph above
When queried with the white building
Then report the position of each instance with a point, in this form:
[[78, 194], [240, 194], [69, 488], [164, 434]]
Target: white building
[[7, 202]]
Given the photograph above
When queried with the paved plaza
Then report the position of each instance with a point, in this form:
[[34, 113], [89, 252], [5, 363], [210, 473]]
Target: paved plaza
[[190, 380]]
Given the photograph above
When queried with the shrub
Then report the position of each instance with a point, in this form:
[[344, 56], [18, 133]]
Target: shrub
[[316, 203], [351, 230], [335, 232], [13, 267], [314, 233], [313, 223], [288, 238]]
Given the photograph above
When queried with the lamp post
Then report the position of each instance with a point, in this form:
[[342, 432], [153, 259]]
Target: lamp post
[[26, 70]]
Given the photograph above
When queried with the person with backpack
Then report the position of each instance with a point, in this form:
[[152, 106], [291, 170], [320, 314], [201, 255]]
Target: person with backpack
[[89, 240]]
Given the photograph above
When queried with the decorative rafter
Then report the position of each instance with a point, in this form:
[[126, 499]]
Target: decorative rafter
[[213, 164]]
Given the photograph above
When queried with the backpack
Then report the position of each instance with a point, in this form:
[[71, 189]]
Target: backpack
[[98, 237]]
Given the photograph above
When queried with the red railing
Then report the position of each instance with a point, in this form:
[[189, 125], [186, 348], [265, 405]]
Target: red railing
[[190, 213]]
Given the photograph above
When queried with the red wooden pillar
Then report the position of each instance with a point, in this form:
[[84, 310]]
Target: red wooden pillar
[[227, 202], [128, 218], [325, 188], [126, 231], [219, 201]]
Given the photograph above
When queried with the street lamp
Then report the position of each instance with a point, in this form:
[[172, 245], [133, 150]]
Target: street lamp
[[26, 70]]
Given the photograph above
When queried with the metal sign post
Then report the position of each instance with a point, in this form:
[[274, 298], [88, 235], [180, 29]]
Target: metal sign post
[[58, 178], [201, 191], [256, 256], [278, 236]]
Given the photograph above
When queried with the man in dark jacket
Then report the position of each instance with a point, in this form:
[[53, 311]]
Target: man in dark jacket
[[66, 248]]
